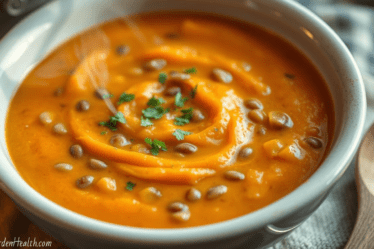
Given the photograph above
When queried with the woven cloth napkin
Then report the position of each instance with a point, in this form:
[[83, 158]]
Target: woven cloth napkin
[[331, 225]]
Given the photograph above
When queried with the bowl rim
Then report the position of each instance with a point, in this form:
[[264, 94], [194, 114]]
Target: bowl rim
[[51, 212]]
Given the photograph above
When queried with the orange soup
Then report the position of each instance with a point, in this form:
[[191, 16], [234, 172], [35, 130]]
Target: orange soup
[[168, 120]]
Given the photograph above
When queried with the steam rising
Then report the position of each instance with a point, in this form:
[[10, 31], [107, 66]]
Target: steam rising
[[90, 52]]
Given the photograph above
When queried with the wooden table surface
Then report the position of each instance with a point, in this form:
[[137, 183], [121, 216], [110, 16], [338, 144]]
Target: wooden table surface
[[14, 226]]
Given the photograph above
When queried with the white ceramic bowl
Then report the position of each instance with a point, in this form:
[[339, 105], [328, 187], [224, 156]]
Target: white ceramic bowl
[[38, 34]]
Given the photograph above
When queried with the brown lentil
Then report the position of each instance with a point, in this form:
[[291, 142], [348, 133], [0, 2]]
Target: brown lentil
[[233, 175], [186, 148], [58, 92], [193, 194], [64, 167], [84, 181], [60, 129], [181, 216], [279, 120], [122, 50], [215, 192], [314, 142], [172, 91], [119, 140], [139, 148], [221, 75], [174, 75], [245, 152], [260, 130], [76, 151], [257, 116], [155, 64], [197, 116], [97, 164], [253, 104], [150, 194], [177, 207], [45, 118], [82, 106]]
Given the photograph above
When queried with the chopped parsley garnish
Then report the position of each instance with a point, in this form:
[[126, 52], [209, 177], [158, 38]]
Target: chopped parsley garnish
[[107, 96], [155, 101], [156, 145], [193, 92], [145, 122], [103, 132], [112, 123], [179, 134], [162, 78], [188, 110], [191, 70], [185, 118], [155, 112], [179, 101], [130, 186], [125, 98]]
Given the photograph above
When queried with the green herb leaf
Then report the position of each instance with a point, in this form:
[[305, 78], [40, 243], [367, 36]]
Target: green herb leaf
[[109, 125], [125, 98], [162, 78], [118, 118], [193, 92], [156, 145], [155, 112], [130, 186], [155, 101], [179, 101], [188, 110], [112, 123], [107, 96], [191, 70], [179, 134], [145, 122], [185, 118], [103, 132]]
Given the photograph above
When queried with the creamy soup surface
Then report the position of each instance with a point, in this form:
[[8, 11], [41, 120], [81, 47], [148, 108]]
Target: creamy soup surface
[[167, 120]]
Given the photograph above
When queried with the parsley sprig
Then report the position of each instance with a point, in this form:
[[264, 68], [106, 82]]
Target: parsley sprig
[[112, 123], [191, 70], [130, 186], [155, 111], [156, 146], [179, 134], [193, 92], [145, 122], [125, 97], [162, 77], [179, 101], [185, 118], [155, 101]]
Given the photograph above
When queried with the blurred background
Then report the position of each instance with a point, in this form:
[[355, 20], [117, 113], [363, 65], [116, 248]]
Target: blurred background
[[13, 11]]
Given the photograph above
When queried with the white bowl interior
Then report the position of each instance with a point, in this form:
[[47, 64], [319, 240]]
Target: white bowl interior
[[40, 33]]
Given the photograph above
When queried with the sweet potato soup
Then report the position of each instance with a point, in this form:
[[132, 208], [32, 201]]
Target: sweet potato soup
[[169, 120]]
